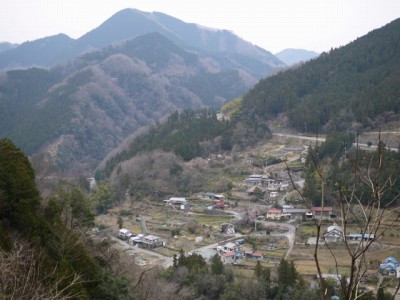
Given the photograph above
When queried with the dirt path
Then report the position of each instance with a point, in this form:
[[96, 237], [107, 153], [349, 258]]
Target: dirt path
[[290, 234]]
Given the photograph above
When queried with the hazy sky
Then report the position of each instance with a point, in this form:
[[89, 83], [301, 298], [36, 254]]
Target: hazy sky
[[271, 24]]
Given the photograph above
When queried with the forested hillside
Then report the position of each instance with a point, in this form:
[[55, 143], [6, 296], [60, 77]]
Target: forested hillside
[[83, 109], [354, 86], [190, 134], [42, 252]]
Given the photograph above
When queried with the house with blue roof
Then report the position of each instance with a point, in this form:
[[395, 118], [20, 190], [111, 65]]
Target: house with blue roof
[[390, 266]]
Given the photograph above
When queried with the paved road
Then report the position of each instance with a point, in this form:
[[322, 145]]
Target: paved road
[[322, 139], [302, 137]]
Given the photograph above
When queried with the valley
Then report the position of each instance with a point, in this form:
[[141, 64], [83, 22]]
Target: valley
[[157, 159], [197, 228]]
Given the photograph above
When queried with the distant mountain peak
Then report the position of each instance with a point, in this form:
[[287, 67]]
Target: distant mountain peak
[[291, 56], [130, 23]]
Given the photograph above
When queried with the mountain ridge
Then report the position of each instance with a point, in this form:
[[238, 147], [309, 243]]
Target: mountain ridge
[[354, 87], [130, 23]]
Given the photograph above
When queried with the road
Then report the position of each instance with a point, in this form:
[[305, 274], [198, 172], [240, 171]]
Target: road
[[166, 260], [322, 139], [290, 234], [213, 246], [302, 137]]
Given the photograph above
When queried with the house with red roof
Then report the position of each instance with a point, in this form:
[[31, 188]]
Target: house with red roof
[[324, 212]]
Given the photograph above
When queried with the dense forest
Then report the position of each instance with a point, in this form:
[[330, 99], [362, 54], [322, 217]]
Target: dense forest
[[348, 88]]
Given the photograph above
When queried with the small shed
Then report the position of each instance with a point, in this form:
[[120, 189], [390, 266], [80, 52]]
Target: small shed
[[254, 255]]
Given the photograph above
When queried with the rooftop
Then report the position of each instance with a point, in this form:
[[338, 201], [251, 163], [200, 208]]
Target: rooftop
[[322, 209]]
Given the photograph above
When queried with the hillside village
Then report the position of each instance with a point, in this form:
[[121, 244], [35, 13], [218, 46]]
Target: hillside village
[[263, 220], [157, 159]]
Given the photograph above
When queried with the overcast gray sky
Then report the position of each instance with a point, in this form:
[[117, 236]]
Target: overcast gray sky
[[271, 24]]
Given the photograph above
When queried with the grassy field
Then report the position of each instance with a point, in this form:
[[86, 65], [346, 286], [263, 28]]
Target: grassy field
[[279, 253]]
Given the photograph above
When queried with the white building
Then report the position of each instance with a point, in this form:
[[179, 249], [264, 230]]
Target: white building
[[334, 233], [176, 201], [124, 234]]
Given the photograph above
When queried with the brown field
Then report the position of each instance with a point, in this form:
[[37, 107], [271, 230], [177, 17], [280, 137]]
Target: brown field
[[304, 258]]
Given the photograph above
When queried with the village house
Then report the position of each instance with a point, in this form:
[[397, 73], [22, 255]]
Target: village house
[[253, 255], [277, 185], [151, 241], [212, 196], [256, 179], [359, 236], [295, 213], [124, 234], [250, 191], [229, 247], [227, 228], [390, 267], [176, 200], [333, 234], [230, 257], [133, 240], [276, 214], [326, 212], [229, 252]]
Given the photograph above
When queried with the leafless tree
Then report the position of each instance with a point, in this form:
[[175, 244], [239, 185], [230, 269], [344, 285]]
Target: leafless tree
[[21, 277], [368, 210]]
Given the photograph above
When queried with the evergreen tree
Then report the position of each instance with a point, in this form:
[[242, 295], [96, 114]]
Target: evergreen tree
[[287, 273], [217, 267], [19, 197], [181, 258], [380, 294], [258, 270]]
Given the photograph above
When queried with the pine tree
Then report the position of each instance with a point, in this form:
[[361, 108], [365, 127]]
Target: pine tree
[[19, 197], [217, 267], [258, 270]]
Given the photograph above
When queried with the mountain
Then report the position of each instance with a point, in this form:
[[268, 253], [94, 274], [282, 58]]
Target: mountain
[[226, 48], [349, 88], [42, 52], [294, 56], [78, 112], [6, 46]]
